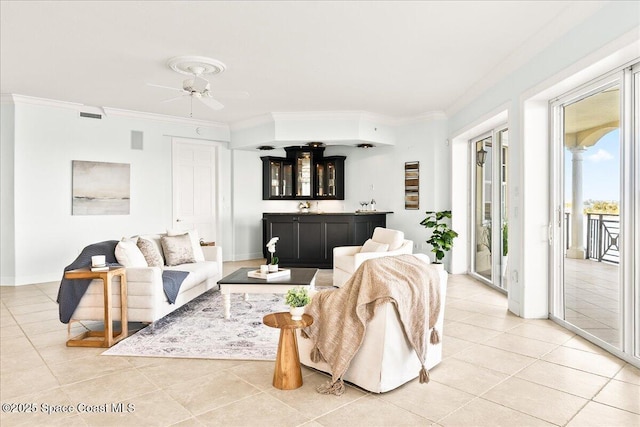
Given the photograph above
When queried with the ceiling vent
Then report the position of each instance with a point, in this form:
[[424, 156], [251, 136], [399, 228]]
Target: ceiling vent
[[90, 115]]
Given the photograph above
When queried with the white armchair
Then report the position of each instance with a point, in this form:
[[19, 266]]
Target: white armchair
[[384, 242], [386, 359]]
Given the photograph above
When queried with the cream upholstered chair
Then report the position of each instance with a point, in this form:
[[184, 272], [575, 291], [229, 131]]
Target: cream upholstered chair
[[385, 360], [384, 242]]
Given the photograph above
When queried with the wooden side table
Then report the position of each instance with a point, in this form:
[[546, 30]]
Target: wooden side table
[[109, 336], [287, 374]]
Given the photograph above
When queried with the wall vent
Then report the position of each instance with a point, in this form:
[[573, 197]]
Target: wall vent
[[137, 140], [90, 115]]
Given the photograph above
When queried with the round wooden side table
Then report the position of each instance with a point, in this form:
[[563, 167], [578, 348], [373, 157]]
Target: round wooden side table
[[287, 374]]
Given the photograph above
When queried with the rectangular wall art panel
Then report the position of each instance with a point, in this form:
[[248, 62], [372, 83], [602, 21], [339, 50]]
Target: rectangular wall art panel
[[412, 185], [101, 188]]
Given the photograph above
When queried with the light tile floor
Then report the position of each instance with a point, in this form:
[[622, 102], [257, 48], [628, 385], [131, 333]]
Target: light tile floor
[[592, 298], [498, 369]]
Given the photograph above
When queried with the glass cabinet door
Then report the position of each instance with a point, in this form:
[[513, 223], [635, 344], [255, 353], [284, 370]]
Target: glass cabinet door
[[303, 178], [320, 180], [331, 179], [287, 179], [274, 172]]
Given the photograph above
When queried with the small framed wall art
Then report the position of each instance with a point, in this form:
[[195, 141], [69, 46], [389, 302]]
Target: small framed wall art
[[412, 185]]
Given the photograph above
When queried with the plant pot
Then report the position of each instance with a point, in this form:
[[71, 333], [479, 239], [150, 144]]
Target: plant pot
[[439, 266], [273, 268], [296, 313], [264, 268]]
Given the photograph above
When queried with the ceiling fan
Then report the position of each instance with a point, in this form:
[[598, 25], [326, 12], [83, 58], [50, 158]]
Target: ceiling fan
[[196, 86]]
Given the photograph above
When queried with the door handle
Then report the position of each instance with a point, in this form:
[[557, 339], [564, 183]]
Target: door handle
[[178, 220]]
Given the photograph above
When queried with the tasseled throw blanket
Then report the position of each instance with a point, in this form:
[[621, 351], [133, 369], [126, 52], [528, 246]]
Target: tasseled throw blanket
[[341, 316]]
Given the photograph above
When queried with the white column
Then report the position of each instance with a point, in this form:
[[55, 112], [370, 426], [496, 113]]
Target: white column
[[576, 249]]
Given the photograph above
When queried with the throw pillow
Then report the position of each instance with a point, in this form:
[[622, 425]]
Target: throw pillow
[[129, 255], [371, 246], [150, 252], [177, 249], [394, 238], [198, 254]]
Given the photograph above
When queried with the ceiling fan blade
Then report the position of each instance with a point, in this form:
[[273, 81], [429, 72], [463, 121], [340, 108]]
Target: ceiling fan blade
[[211, 103], [173, 99], [231, 94], [167, 87]]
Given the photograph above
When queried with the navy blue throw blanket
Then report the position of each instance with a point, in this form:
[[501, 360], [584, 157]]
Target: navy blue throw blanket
[[171, 281], [72, 290]]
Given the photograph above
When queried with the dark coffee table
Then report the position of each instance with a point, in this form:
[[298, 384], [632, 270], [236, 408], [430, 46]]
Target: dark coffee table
[[239, 283]]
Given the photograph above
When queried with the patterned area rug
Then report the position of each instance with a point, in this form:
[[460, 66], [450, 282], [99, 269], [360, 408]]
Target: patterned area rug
[[199, 330]]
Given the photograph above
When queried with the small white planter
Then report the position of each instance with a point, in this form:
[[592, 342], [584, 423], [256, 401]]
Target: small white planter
[[296, 313], [273, 268]]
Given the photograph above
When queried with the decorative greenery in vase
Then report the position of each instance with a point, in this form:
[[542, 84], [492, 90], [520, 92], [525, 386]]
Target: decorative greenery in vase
[[297, 297], [442, 235]]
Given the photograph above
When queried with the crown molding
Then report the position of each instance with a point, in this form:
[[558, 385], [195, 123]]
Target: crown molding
[[108, 111], [32, 100]]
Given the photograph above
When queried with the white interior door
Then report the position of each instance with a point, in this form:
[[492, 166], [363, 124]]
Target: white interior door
[[194, 187]]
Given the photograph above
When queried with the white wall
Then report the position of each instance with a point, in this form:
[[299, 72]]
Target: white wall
[[378, 173], [47, 139], [7, 238]]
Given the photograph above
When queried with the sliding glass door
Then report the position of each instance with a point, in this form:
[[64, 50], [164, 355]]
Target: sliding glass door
[[595, 213], [489, 200]]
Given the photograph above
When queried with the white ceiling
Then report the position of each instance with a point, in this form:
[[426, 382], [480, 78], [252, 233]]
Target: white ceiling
[[398, 59]]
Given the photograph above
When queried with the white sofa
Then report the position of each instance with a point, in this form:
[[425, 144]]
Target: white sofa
[[347, 259], [146, 299], [386, 359]]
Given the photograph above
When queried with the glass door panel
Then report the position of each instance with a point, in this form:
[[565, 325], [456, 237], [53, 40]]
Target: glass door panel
[[591, 216], [503, 232], [482, 265], [489, 199]]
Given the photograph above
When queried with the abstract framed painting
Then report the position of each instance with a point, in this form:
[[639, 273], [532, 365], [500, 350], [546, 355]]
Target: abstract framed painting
[[100, 188]]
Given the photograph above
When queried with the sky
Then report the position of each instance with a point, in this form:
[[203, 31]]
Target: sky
[[600, 170]]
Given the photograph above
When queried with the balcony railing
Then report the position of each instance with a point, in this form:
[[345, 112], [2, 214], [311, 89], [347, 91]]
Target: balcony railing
[[602, 236]]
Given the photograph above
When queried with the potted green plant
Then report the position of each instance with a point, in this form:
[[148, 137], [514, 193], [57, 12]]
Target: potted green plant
[[296, 298], [442, 235]]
